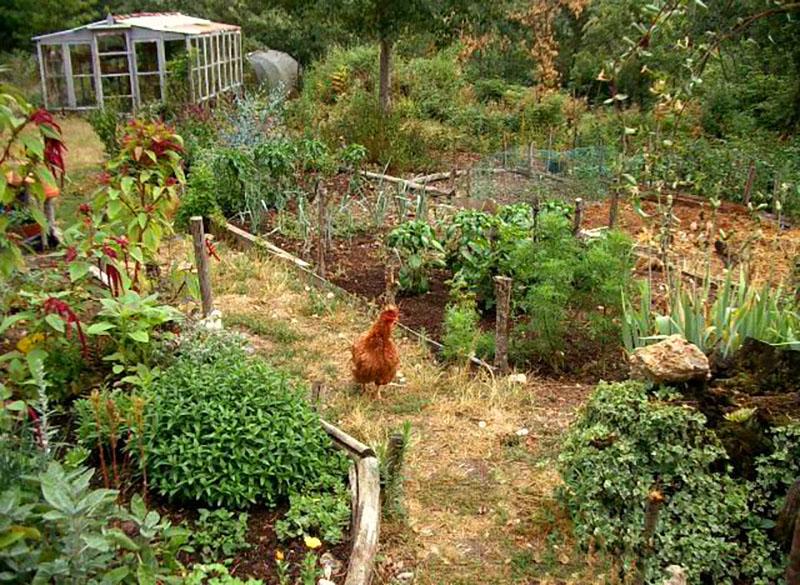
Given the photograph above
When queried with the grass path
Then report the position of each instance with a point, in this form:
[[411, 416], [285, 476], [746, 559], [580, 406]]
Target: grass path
[[479, 504]]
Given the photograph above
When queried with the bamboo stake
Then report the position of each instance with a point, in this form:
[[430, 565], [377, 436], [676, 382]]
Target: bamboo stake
[[201, 260], [503, 298]]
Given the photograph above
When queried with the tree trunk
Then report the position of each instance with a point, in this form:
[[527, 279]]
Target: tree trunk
[[386, 76]]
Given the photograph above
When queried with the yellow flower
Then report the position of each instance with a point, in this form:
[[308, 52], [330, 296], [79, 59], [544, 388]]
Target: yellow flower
[[312, 541], [278, 555], [29, 342]]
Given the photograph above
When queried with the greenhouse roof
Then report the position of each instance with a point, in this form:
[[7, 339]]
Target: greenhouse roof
[[166, 22]]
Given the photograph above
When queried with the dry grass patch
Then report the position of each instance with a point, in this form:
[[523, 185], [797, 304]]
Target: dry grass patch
[[479, 473]]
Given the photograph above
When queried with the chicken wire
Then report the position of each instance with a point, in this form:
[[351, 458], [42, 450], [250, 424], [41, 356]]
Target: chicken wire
[[522, 173]]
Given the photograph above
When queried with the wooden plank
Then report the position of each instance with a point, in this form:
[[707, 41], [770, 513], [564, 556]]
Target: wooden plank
[[136, 101], [162, 69], [365, 539], [98, 82], [42, 75], [343, 440], [67, 60], [249, 239]]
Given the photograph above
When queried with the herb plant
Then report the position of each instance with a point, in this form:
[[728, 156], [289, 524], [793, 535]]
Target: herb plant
[[219, 534], [233, 431], [419, 251], [322, 514]]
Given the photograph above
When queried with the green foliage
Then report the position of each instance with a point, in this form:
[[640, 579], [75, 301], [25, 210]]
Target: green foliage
[[627, 444], [461, 331], [419, 250], [143, 181], [215, 574], [219, 534], [31, 161], [67, 532], [95, 418], [232, 431], [322, 514], [105, 122], [717, 323], [132, 325]]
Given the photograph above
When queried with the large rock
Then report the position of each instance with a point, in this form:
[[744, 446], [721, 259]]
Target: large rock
[[671, 360]]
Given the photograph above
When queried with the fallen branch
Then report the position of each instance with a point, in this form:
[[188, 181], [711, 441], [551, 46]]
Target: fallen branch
[[413, 185], [434, 177]]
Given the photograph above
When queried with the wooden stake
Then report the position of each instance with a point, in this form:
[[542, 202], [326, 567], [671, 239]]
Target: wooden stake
[[395, 454], [201, 260], [612, 212], [576, 224], [322, 196], [530, 158], [502, 285], [655, 500], [316, 391], [390, 293], [748, 186]]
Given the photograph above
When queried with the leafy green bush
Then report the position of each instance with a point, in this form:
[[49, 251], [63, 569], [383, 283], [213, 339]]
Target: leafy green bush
[[200, 197], [105, 122], [419, 251], [219, 534], [461, 331], [627, 444], [233, 431], [322, 514], [66, 532]]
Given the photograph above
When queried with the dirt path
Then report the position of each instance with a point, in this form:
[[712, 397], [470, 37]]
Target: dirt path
[[481, 468]]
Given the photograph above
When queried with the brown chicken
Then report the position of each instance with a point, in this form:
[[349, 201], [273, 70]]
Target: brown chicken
[[375, 356]]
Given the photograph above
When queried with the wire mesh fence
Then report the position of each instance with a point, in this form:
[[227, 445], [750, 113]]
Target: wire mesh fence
[[524, 173]]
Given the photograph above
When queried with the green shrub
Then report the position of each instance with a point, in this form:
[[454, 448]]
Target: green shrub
[[419, 250], [215, 574], [461, 331], [219, 534], [66, 532], [322, 514], [233, 431], [200, 197], [105, 122], [626, 444]]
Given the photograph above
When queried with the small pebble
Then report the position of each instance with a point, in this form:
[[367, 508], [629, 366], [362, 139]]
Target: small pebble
[[482, 424]]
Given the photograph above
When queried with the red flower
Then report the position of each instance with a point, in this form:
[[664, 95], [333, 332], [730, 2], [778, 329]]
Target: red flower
[[42, 116], [54, 155], [54, 306], [85, 208], [171, 181], [70, 254], [121, 241], [109, 251], [104, 178]]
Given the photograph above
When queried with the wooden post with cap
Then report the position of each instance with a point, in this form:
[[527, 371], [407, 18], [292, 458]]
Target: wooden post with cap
[[201, 260]]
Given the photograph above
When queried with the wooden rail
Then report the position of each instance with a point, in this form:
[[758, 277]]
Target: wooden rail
[[366, 506]]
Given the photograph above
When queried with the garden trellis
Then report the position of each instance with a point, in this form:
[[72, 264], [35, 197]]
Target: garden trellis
[[125, 59]]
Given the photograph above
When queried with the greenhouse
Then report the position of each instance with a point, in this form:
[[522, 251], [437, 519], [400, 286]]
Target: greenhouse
[[127, 59]]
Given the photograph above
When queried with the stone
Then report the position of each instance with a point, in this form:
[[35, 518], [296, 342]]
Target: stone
[[670, 360], [677, 576], [518, 379]]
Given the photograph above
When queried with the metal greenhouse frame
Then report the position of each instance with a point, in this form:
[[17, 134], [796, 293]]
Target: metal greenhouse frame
[[125, 58]]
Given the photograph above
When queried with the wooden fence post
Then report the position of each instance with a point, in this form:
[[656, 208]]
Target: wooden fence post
[[395, 454], [530, 159], [502, 286], [201, 260], [322, 196], [316, 391], [655, 499], [748, 186], [576, 224]]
